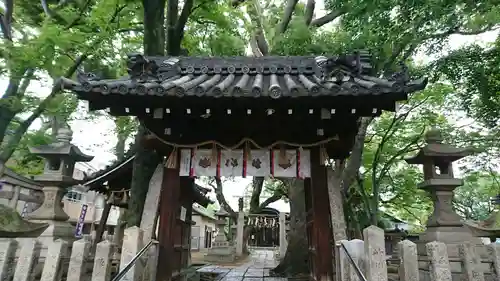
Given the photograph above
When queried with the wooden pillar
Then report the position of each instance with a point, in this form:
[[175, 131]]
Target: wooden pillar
[[169, 207], [311, 234], [321, 216], [187, 184]]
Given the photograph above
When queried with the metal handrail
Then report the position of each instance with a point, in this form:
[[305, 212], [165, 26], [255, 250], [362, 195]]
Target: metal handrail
[[354, 264], [129, 265]]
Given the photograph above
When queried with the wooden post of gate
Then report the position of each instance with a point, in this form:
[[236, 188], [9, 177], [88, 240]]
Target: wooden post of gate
[[169, 205], [323, 259]]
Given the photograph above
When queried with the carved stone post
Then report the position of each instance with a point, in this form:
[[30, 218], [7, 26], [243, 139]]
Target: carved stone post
[[240, 226], [283, 240]]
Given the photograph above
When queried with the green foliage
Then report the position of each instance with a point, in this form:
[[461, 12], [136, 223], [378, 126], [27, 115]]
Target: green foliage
[[45, 47], [215, 29], [297, 40], [472, 200], [384, 180], [475, 73], [276, 187], [224, 44], [25, 163], [125, 125]]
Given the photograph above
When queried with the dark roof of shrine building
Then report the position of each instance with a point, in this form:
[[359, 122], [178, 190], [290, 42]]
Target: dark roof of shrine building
[[202, 211], [272, 77]]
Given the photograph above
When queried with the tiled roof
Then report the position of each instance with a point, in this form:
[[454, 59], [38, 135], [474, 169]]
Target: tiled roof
[[123, 169], [203, 212], [273, 77]]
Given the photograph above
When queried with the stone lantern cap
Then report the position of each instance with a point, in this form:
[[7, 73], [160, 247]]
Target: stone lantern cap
[[437, 151], [61, 148]]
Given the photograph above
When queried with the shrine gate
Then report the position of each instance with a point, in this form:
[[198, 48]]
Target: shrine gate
[[246, 116]]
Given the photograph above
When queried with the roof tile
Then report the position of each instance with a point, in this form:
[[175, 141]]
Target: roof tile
[[272, 77]]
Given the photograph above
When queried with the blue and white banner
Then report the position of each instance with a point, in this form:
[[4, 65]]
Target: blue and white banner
[[81, 222]]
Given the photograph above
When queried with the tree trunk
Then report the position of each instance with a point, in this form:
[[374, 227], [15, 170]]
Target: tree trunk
[[296, 260], [6, 115], [144, 165], [336, 199], [120, 146], [145, 161]]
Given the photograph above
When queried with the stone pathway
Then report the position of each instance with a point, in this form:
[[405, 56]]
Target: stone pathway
[[256, 269]]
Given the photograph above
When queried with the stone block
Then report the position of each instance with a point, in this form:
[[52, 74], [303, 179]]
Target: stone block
[[408, 269], [52, 267], [470, 263], [77, 263], [375, 264], [439, 267]]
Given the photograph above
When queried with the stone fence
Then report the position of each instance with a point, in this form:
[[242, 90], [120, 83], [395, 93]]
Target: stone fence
[[23, 261], [73, 261], [407, 265]]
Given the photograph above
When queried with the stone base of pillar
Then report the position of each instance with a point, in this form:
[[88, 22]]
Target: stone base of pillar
[[452, 237], [221, 254], [57, 230], [221, 251]]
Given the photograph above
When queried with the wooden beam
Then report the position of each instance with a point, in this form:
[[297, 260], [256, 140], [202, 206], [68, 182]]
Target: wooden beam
[[321, 215], [169, 207]]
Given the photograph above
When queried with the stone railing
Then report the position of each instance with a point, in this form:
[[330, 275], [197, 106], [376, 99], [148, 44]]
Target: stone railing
[[371, 258], [73, 261]]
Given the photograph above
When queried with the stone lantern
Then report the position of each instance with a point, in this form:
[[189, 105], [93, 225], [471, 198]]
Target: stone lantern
[[221, 239], [444, 224], [60, 158], [222, 250]]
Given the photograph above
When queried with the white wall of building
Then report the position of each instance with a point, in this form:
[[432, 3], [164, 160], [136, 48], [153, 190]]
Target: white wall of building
[[76, 198]]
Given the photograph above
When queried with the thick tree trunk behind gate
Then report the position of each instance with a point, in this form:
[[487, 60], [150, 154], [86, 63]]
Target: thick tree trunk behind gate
[[145, 161], [296, 260], [144, 165]]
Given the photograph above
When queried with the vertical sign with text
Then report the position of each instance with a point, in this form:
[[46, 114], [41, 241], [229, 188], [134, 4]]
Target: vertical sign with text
[[81, 222]]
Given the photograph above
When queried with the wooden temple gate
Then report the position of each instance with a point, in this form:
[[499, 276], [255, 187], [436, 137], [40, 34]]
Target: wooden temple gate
[[243, 116]]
